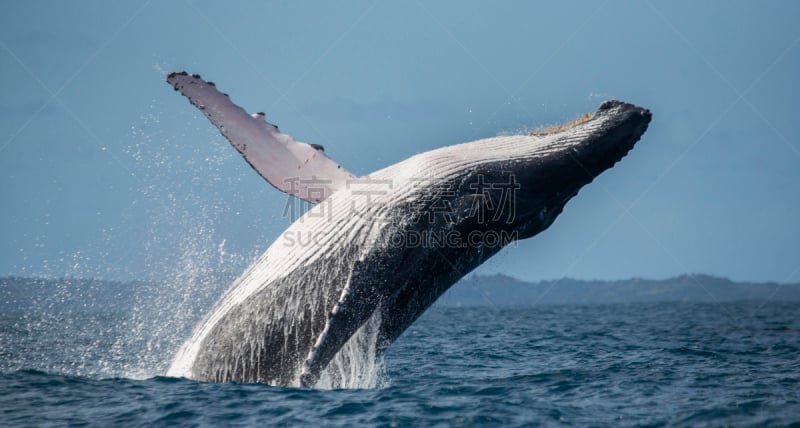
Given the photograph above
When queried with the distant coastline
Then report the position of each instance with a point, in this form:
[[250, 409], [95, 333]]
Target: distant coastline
[[68, 294], [503, 290]]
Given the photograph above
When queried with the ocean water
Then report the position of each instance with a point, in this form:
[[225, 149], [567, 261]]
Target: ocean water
[[614, 365]]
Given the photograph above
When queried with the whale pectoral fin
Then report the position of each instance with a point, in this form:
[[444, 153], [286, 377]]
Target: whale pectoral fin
[[299, 169]]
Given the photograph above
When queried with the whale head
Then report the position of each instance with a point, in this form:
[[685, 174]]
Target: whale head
[[524, 181], [576, 153]]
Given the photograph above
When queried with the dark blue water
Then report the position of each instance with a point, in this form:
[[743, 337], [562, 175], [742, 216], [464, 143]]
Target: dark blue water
[[642, 364]]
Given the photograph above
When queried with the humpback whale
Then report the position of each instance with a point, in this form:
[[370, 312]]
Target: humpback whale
[[383, 247]]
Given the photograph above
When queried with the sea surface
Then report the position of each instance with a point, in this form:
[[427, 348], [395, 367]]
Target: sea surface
[[575, 365]]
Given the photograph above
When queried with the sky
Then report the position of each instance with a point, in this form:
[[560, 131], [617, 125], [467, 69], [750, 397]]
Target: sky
[[108, 173]]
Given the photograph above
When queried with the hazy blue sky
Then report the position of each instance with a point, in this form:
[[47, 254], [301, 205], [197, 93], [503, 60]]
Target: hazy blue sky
[[107, 172]]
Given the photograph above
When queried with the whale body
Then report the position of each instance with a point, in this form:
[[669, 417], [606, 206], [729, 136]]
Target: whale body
[[380, 248]]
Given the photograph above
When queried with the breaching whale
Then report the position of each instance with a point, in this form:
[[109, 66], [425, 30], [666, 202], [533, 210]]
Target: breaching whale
[[385, 246]]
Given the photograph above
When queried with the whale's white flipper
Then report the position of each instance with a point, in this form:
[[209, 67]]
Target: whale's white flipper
[[299, 169]]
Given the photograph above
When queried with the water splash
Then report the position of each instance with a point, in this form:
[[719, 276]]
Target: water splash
[[182, 265], [189, 284], [357, 365], [164, 313], [185, 257]]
